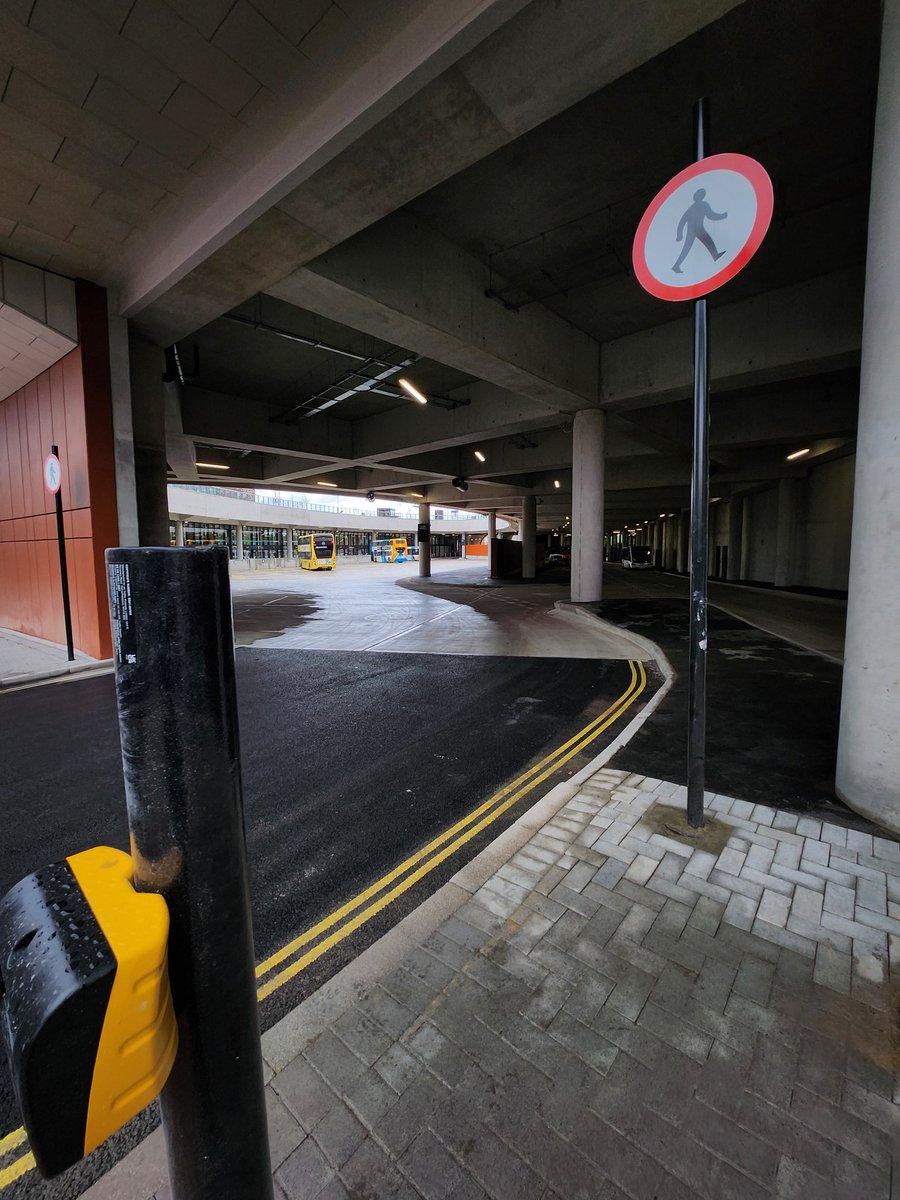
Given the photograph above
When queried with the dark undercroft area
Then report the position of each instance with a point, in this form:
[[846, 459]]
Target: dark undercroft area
[[772, 711]]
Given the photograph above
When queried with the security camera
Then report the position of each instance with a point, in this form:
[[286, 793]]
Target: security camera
[[370, 496], [460, 485]]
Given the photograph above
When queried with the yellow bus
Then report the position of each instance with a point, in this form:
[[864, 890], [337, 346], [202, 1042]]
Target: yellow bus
[[388, 550], [316, 551]]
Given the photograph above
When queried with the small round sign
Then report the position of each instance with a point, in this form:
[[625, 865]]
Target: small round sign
[[52, 473], [703, 227]]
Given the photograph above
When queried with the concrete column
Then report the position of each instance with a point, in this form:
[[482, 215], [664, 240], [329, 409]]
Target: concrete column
[[735, 530], [239, 542], [786, 532], [588, 450], [746, 525], [492, 533], [148, 410], [425, 542], [684, 540], [179, 532], [529, 537], [868, 761], [290, 545]]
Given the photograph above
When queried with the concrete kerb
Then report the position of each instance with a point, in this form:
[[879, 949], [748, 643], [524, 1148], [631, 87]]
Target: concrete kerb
[[11, 683], [286, 1039]]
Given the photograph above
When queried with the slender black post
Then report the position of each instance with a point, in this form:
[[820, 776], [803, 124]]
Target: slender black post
[[174, 649], [696, 759], [63, 568]]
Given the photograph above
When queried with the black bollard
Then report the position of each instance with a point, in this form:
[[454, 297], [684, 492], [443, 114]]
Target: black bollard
[[175, 685]]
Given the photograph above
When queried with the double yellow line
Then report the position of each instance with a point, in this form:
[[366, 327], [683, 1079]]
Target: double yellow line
[[384, 891], [420, 864]]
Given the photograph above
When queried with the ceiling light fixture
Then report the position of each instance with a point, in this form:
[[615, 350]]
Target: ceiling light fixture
[[324, 483], [213, 466], [479, 455], [412, 391], [798, 454], [556, 483], [460, 485], [418, 495]]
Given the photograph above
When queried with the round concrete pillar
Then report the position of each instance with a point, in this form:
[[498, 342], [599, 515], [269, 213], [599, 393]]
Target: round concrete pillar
[[290, 544], [588, 450], [529, 537], [425, 541], [179, 532], [684, 540], [786, 532], [735, 532], [868, 762], [746, 524], [239, 542], [492, 534]]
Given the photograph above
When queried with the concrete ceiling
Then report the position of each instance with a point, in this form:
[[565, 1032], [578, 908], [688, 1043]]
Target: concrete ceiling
[[453, 184]]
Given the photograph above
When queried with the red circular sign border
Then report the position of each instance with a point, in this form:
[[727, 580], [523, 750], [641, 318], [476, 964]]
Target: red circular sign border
[[52, 491], [759, 180]]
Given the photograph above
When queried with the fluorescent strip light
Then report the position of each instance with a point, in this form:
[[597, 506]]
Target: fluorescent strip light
[[213, 466], [479, 456], [418, 495], [556, 483], [412, 391], [324, 483], [798, 454]]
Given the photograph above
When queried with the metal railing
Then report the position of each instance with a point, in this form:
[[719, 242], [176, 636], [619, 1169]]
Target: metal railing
[[450, 514]]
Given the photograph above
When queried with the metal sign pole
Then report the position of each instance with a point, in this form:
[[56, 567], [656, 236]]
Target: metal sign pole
[[175, 685], [696, 758], [63, 568]]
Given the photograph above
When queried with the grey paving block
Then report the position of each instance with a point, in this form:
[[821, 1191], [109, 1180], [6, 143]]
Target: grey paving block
[[833, 969], [588, 997], [370, 1173], [398, 1068], [630, 993], [707, 915], [584, 1042], [334, 1061], [740, 911], [733, 1143], [493, 1164], [285, 1132], [462, 932], [447, 950], [857, 1137], [410, 1114], [371, 1096], [713, 984], [854, 1179], [639, 1043], [431, 1168], [386, 1011], [306, 1094], [511, 960], [549, 1155], [675, 1032], [362, 1035], [754, 979], [442, 1057], [338, 1135], [796, 1182], [409, 990], [304, 1173]]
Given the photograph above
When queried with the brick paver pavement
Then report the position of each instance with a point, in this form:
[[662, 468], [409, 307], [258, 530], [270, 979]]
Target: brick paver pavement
[[616, 1014]]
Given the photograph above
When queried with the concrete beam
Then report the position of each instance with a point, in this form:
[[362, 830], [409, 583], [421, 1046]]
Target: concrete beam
[[440, 310], [418, 99], [803, 329]]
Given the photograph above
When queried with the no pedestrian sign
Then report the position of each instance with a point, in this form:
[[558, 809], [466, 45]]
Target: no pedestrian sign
[[52, 473], [703, 227]]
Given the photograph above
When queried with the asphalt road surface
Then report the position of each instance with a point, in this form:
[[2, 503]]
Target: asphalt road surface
[[351, 761]]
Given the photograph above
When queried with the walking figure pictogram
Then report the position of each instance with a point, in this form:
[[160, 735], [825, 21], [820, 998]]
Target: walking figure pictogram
[[692, 221]]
